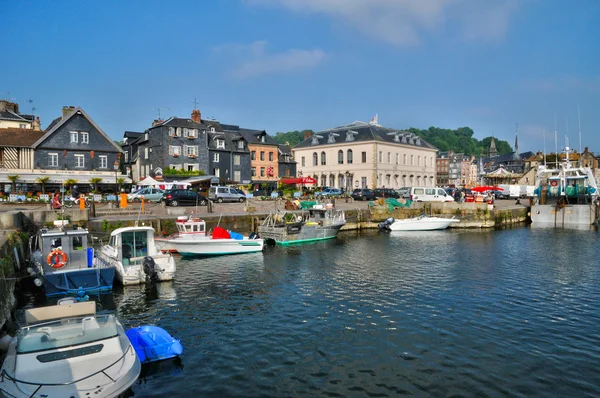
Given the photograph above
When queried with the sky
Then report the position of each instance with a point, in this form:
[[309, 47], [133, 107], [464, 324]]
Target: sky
[[280, 65]]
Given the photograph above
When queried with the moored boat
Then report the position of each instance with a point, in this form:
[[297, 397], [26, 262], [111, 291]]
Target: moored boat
[[69, 351], [152, 343], [419, 223], [192, 239], [288, 227], [133, 254], [62, 262], [565, 195]]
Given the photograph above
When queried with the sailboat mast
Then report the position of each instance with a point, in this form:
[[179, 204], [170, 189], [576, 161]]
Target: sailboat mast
[[555, 141], [579, 119], [544, 134]]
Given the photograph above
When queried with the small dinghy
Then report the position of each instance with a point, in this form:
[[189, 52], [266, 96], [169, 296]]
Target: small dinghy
[[153, 344]]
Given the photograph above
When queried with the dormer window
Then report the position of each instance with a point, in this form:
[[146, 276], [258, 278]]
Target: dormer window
[[331, 138], [212, 129], [263, 138], [192, 133], [315, 139], [220, 143], [350, 135], [178, 132], [418, 141], [171, 131], [404, 140], [240, 144]]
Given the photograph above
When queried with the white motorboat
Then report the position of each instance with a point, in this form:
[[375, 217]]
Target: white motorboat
[[420, 223], [69, 351], [133, 253], [192, 239]]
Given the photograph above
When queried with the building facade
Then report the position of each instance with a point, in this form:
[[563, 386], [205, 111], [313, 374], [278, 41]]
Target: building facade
[[366, 155], [287, 164], [73, 147], [10, 117]]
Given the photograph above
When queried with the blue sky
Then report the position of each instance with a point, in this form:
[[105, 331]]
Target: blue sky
[[284, 65]]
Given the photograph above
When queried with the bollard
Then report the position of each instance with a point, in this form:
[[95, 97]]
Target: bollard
[[209, 206], [123, 203], [81, 202], [143, 204]]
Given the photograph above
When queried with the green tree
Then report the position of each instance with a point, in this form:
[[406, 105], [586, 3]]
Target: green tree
[[95, 181], [43, 181], [292, 138], [13, 179]]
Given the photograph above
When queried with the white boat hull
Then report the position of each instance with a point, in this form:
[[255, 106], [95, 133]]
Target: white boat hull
[[422, 224], [213, 247]]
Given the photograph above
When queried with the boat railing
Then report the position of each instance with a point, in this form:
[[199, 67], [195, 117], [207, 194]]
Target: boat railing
[[5, 374], [134, 260]]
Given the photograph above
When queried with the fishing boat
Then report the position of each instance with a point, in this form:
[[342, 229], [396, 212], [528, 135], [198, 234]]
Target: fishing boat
[[62, 262], [565, 195], [419, 223], [192, 239], [152, 343], [289, 227], [133, 254], [69, 351]]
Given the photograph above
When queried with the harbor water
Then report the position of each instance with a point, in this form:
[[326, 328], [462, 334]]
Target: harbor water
[[444, 313]]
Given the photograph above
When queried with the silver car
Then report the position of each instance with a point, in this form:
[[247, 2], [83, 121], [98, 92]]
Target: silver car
[[225, 194]]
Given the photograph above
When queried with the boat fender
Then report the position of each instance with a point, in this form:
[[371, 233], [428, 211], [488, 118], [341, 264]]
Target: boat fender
[[5, 343], [149, 267], [57, 259]]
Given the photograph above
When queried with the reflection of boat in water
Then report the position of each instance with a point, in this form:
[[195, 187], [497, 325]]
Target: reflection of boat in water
[[419, 223], [566, 195], [133, 253], [64, 262], [287, 227], [192, 239], [69, 351]]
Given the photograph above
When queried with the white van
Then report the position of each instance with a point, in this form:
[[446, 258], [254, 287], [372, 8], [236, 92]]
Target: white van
[[513, 191], [430, 194]]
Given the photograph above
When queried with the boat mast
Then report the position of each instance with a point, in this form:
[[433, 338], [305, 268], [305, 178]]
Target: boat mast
[[544, 134], [555, 141], [579, 119]]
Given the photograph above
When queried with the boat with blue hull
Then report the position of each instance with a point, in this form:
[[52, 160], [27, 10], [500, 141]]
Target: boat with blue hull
[[152, 343], [63, 264]]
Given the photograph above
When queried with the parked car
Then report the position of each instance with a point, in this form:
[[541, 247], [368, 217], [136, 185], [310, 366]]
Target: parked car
[[500, 194], [363, 194], [225, 194], [184, 197], [385, 193], [329, 192], [149, 194], [403, 192]]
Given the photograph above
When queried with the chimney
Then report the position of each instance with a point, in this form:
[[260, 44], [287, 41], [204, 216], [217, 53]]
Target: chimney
[[37, 124], [196, 115], [67, 111], [9, 106], [307, 135], [156, 122]]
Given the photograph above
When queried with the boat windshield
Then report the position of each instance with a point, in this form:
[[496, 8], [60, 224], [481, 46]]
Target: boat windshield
[[66, 333], [135, 244]]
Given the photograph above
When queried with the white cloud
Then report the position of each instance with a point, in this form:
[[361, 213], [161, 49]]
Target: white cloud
[[255, 61], [405, 22]]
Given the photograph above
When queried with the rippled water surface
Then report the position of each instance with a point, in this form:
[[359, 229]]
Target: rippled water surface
[[446, 313]]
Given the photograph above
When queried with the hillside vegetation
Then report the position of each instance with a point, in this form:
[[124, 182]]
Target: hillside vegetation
[[460, 140]]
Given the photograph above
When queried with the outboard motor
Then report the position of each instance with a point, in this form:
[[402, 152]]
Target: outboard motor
[[150, 270], [254, 235], [385, 223]]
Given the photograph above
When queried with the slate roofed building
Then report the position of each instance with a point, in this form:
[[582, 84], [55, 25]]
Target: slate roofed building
[[264, 156], [366, 155], [72, 147], [287, 164], [10, 117]]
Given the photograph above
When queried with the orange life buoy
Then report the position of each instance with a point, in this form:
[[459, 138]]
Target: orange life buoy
[[553, 183], [57, 259]]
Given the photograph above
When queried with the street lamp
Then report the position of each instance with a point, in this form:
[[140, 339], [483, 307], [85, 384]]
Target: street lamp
[[347, 178]]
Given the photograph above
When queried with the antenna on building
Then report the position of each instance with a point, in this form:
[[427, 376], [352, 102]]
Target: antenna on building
[[195, 103], [159, 109], [32, 107]]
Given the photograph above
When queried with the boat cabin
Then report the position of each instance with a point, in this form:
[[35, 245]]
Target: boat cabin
[[187, 226], [132, 243], [61, 246]]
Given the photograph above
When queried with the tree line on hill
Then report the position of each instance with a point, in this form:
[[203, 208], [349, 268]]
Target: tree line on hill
[[459, 140]]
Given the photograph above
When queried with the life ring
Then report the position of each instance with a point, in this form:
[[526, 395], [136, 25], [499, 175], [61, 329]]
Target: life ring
[[553, 183], [60, 257]]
